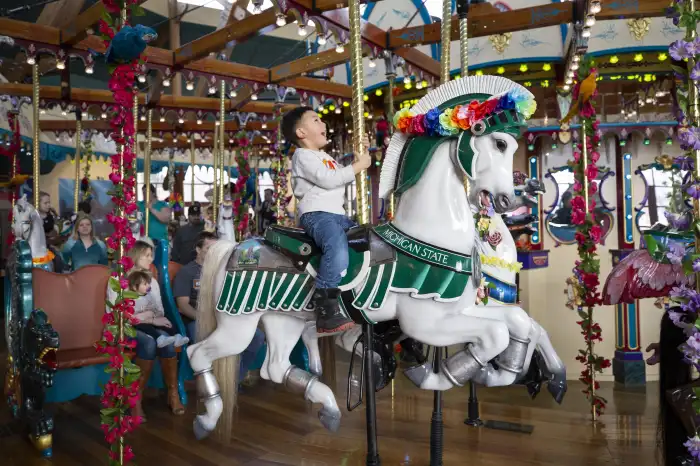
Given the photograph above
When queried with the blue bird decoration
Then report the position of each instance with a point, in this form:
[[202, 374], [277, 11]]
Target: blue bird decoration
[[129, 43]]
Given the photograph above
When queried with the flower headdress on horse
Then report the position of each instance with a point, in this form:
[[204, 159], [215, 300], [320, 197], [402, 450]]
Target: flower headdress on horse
[[461, 109]]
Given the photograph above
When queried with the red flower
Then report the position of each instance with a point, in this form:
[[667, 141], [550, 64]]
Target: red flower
[[596, 233], [578, 217], [591, 172]]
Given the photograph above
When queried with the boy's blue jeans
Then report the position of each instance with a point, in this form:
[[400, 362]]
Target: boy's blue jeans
[[328, 232]]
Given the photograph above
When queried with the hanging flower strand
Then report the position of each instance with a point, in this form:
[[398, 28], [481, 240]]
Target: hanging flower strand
[[588, 236], [121, 391], [686, 310], [238, 193]]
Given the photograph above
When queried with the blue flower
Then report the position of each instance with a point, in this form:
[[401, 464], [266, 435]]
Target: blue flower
[[689, 138], [432, 122], [675, 253], [506, 102], [679, 50]]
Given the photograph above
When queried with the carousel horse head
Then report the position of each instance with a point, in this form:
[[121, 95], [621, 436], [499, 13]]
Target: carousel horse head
[[226, 209], [24, 217], [482, 117]]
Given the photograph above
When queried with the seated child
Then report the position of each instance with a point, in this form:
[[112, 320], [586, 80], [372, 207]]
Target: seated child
[[319, 186], [159, 327]]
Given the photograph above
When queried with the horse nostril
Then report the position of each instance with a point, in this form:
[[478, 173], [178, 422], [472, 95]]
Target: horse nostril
[[503, 200]]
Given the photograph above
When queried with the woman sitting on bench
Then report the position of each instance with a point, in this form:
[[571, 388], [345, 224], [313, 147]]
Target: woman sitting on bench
[[146, 346]]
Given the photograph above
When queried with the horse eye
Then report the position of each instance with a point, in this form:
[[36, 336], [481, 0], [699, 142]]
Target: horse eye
[[501, 145]]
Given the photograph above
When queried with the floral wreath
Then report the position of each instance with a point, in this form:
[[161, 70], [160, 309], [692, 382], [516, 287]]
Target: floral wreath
[[449, 122]]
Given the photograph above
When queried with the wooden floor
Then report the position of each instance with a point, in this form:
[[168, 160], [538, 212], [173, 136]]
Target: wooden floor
[[274, 427]]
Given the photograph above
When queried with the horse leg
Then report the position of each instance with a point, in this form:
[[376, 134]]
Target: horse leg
[[310, 338], [283, 331], [512, 360], [436, 324], [232, 335], [557, 385]]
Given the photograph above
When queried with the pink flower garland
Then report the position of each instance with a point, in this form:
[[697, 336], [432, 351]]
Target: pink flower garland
[[238, 192], [588, 236], [121, 393]]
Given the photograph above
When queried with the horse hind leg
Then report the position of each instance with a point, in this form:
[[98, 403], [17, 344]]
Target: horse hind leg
[[283, 331], [554, 366], [232, 335], [310, 338]]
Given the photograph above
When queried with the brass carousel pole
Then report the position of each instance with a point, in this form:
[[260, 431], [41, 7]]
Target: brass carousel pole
[[391, 78], [147, 168], [215, 190], [78, 146], [463, 13], [358, 110], [222, 138], [192, 162], [35, 148], [445, 40]]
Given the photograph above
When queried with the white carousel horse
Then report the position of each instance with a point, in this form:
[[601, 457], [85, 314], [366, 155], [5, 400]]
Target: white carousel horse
[[28, 226], [430, 289], [135, 220], [224, 223]]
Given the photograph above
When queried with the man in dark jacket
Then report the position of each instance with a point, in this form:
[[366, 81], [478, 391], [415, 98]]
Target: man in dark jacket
[[186, 237]]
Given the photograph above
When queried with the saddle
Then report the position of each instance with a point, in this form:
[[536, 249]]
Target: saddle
[[300, 249]]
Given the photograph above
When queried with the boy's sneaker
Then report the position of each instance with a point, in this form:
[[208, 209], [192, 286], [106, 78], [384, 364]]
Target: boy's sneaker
[[329, 316], [165, 340], [181, 340]]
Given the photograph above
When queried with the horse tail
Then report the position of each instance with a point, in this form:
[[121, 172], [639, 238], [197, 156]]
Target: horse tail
[[225, 369]]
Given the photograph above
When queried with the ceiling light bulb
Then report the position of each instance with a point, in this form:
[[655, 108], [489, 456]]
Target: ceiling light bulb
[[567, 87], [143, 117], [302, 30], [574, 66], [419, 85], [577, 58], [406, 80], [590, 21], [230, 141], [322, 40], [181, 120], [31, 60], [190, 86], [42, 111], [166, 82], [586, 32], [372, 63], [233, 94], [569, 81], [63, 112], [337, 110], [89, 69], [60, 64], [142, 78], [212, 89], [162, 119], [254, 97], [199, 122], [281, 20], [595, 7], [104, 115], [339, 48]]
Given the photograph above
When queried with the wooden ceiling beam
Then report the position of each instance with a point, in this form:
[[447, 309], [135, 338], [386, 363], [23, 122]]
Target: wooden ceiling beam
[[320, 86], [309, 64], [104, 96], [78, 29], [30, 31]]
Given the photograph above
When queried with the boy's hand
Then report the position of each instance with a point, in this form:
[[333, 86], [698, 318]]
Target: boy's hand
[[363, 160]]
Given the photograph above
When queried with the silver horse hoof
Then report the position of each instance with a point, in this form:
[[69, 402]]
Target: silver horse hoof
[[418, 374], [557, 387], [329, 419], [200, 432]]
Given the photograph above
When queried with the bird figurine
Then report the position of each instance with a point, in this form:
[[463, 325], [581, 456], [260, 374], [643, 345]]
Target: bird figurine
[[585, 92], [129, 43]]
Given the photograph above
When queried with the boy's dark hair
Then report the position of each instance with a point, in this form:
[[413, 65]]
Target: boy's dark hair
[[203, 237], [137, 277], [290, 121]]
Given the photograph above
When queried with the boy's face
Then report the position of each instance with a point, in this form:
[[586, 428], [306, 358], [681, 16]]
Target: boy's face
[[311, 131]]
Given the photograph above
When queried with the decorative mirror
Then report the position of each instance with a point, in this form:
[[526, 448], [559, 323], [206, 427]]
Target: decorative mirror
[[558, 216], [663, 181]]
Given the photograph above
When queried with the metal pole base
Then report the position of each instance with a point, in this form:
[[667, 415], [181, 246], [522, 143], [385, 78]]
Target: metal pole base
[[371, 406], [473, 419], [436, 422]]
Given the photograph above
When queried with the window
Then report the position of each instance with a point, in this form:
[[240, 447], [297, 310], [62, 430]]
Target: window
[[662, 186]]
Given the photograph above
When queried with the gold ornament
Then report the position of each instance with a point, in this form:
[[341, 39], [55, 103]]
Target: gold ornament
[[500, 42], [572, 293], [639, 27]]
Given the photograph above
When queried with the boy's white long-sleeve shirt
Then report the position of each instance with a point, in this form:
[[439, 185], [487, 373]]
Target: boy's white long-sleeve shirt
[[319, 182]]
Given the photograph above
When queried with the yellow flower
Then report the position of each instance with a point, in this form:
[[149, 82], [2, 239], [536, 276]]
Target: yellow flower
[[447, 123], [483, 224]]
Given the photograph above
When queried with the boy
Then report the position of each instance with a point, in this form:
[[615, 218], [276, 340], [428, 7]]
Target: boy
[[160, 328], [319, 186]]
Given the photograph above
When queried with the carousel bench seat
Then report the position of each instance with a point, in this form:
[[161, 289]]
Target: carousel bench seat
[[75, 304]]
